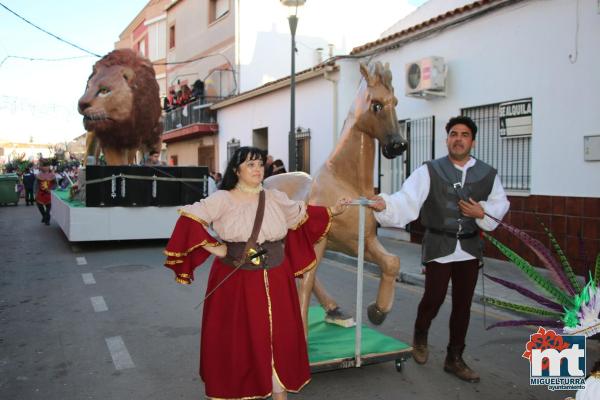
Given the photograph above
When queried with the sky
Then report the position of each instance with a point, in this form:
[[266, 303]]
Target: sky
[[38, 99]]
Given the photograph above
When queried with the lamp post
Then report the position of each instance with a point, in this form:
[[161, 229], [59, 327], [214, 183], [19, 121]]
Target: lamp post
[[293, 20]]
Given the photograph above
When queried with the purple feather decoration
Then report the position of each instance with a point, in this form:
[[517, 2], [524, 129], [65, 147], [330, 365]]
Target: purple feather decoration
[[535, 322], [543, 254], [528, 293]]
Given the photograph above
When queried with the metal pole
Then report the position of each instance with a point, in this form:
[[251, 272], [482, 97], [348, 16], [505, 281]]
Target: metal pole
[[359, 280], [293, 20]]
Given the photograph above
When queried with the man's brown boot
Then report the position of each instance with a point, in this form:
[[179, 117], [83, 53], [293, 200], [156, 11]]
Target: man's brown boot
[[455, 364], [420, 351]]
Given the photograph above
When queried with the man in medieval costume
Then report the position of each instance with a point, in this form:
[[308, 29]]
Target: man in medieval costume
[[452, 196]]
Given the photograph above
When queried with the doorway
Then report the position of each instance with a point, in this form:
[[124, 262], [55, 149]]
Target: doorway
[[260, 138]]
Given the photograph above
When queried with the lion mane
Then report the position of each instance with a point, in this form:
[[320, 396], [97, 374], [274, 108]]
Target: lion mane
[[121, 105]]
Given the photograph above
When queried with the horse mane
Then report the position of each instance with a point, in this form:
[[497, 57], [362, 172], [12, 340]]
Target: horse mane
[[383, 73]]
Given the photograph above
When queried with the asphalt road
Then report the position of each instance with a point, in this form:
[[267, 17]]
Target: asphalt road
[[107, 321]]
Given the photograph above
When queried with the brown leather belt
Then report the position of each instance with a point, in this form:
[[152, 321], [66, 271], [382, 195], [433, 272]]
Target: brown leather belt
[[273, 256]]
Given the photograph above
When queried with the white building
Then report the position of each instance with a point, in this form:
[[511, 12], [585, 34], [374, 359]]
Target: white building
[[544, 55]]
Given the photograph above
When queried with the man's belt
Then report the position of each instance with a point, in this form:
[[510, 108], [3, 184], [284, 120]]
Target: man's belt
[[461, 235], [270, 255]]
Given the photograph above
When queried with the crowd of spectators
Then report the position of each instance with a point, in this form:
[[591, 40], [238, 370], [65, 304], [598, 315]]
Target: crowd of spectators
[[183, 95]]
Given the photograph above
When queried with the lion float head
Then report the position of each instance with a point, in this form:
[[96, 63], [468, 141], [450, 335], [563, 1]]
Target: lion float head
[[121, 106]]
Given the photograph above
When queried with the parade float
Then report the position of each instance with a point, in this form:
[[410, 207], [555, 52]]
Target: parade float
[[120, 201]]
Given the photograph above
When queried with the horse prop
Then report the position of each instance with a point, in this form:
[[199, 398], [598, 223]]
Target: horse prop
[[348, 172]]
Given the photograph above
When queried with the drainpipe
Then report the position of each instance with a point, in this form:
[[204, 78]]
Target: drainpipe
[[331, 76]]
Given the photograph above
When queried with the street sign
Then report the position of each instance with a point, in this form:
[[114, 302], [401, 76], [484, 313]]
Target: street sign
[[515, 118]]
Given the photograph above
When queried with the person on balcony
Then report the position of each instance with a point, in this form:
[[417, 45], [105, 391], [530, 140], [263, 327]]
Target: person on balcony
[[198, 91]]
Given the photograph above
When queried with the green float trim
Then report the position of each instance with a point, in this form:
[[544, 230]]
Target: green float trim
[[64, 195], [328, 342]]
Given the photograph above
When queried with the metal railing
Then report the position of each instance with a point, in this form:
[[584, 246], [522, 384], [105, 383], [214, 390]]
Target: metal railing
[[511, 156], [191, 113], [421, 142]]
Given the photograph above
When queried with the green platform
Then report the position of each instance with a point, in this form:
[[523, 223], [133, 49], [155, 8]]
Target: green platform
[[64, 195], [332, 347]]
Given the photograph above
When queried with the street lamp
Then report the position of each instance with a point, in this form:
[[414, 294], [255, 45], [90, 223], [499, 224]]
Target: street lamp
[[293, 20]]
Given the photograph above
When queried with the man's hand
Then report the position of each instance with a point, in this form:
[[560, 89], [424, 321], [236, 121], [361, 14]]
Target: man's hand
[[379, 204], [471, 209]]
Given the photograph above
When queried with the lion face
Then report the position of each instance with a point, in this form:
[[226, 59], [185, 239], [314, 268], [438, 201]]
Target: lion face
[[108, 99]]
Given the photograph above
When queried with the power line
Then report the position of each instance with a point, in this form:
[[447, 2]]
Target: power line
[[43, 59], [49, 33]]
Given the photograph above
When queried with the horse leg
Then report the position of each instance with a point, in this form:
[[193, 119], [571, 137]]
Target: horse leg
[[390, 268], [307, 283], [325, 300]]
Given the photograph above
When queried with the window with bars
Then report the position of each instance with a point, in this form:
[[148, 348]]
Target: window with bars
[[232, 146], [511, 156], [303, 150], [421, 142], [420, 133]]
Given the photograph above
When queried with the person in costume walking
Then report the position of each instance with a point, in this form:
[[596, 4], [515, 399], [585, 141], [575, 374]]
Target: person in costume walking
[[451, 194], [252, 339], [45, 181]]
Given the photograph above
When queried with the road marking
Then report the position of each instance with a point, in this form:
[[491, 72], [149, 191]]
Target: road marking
[[119, 353], [99, 304], [81, 261], [88, 279]]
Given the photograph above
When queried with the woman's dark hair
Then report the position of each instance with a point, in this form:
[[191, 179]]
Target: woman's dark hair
[[462, 119], [230, 178], [278, 167]]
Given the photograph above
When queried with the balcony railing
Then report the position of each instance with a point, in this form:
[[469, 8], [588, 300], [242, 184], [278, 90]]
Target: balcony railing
[[191, 113]]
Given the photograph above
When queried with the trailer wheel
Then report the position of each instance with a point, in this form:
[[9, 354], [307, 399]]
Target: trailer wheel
[[399, 364]]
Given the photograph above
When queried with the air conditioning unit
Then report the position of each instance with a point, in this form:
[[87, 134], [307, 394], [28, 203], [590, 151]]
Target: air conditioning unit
[[426, 78]]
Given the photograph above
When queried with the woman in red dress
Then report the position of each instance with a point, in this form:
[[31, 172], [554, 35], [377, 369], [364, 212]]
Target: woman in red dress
[[252, 339]]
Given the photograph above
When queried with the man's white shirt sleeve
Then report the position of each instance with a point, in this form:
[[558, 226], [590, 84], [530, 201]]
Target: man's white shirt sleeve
[[404, 206], [496, 205]]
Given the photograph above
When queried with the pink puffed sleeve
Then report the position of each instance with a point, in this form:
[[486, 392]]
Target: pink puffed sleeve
[[294, 211], [208, 209]]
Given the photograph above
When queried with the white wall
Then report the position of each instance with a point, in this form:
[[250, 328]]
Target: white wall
[[518, 52], [272, 110]]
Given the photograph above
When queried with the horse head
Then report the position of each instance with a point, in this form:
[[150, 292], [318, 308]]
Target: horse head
[[375, 110]]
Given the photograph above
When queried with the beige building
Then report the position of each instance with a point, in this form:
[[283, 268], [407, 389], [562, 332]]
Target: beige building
[[200, 47], [146, 34], [201, 40]]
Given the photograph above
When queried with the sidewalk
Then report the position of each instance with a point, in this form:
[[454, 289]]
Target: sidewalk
[[410, 272]]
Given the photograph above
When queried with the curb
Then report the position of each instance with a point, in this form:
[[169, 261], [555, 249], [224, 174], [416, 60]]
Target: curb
[[411, 278]]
